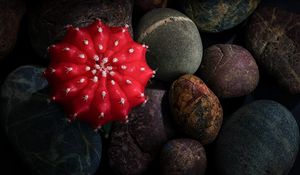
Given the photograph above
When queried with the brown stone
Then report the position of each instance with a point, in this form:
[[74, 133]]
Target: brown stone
[[195, 108], [183, 156], [273, 36]]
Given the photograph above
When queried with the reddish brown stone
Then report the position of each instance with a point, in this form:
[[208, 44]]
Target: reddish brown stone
[[195, 108]]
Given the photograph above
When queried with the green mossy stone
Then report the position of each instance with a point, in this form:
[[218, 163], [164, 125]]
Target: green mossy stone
[[175, 46], [39, 132], [218, 15], [259, 138]]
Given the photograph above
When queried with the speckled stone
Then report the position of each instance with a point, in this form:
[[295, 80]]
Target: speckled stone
[[259, 138], [38, 129], [183, 156], [11, 12], [195, 108], [229, 70], [48, 18], [273, 36], [175, 46], [134, 146], [218, 15]]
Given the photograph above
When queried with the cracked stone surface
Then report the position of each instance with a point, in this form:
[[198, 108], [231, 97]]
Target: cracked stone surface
[[273, 36]]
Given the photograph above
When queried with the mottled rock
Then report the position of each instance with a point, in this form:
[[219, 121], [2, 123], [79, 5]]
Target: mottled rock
[[10, 16], [218, 15], [134, 146], [48, 18], [273, 36], [175, 46], [229, 70], [195, 108], [259, 138], [183, 156], [38, 129]]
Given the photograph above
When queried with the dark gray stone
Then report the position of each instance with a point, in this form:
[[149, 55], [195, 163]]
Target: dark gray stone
[[259, 138], [175, 46], [19, 86], [39, 132]]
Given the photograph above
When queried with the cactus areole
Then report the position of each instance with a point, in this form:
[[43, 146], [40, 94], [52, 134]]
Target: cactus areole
[[98, 73]]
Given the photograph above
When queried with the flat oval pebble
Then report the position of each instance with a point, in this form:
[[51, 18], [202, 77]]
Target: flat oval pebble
[[38, 131], [229, 70], [183, 156], [218, 15], [134, 146], [196, 109], [175, 46], [259, 138], [273, 36]]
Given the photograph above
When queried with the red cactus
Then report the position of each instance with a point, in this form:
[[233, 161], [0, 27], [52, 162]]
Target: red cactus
[[98, 73]]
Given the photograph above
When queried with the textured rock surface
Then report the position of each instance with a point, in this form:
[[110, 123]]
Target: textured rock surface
[[175, 46], [48, 18], [259, 138], [195, 108], [134, 146], [39, 132], [147, 5], [183, 156], [218, 15], [229, 70], [10, 16], [274, 38]]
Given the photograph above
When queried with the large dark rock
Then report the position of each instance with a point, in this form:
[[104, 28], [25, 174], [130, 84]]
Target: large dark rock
[[259, 138], [19, 86], [134, 146], [38, 129], [218, 15], [11, 12], [48, 18], [273, 36]]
